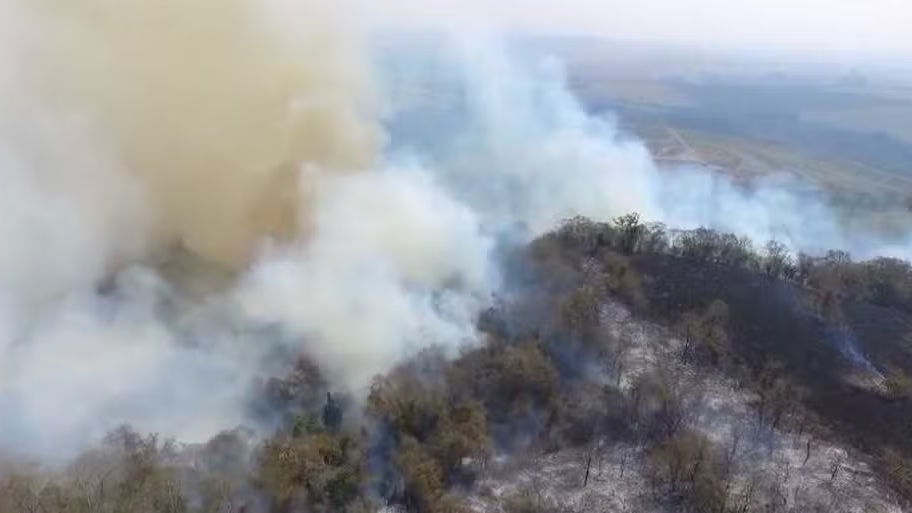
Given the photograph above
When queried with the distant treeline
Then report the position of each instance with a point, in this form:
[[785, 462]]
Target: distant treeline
[[833, 276]]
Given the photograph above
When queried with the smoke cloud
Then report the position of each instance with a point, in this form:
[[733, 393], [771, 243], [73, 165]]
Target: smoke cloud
[[193, 190], [211, 105], [394, 265], [524, 151], [136, 133]]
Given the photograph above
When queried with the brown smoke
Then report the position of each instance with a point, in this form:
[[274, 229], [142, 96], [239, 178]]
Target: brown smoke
[[212, 106]]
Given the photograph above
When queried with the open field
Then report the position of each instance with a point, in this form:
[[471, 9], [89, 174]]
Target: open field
[[844, 126], [852, 145]]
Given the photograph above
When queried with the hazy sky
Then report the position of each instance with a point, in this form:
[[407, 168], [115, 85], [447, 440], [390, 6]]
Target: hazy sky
[[818, 26]]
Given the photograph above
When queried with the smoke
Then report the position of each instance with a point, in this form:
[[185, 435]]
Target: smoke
[[528, 154], [194, 189], [192, 192], [520, 147], [132, 128], [93, 362], [211, 106], [394, 265]]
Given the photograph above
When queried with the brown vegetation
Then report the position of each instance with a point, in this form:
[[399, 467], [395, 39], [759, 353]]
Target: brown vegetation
[[551, 375]]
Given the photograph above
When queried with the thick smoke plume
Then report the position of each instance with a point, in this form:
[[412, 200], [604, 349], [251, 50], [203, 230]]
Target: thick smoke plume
[[132, 128], [394, 265], [193, 190], [211, 106]]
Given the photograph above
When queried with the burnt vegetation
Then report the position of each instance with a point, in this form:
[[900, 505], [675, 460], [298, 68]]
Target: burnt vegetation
[[820, 345]]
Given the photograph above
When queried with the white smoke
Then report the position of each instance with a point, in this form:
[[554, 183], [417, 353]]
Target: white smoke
[[91, 363], [357, 268], [394, 265], [103, 323], [156, 134], [523, 150], [526, 152]]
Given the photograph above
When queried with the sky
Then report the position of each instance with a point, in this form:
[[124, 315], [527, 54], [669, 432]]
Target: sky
[[878, 28]]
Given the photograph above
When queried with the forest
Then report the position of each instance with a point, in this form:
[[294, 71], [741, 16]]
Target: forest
[[612, 338]]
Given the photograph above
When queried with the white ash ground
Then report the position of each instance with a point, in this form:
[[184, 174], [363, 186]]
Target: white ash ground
[[773, 461]]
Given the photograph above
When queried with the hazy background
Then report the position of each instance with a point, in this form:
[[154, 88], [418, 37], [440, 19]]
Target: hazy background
[[810, 27]]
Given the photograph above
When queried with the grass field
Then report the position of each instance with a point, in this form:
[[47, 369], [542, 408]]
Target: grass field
[[854, 142]]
